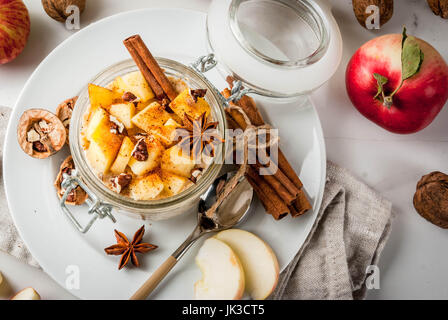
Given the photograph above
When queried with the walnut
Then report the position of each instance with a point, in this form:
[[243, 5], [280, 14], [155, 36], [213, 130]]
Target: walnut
[[40, 133], [120, 182], [77, 196], [140, 152], [129, 97], [431, 198], [439, 7], [386, 10], [64, 113], [198, 93], [57, 8]]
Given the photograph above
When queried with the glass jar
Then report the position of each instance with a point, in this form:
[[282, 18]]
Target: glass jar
[[152, 209], [280, 49]]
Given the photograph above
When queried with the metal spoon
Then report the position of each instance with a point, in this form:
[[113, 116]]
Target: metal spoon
[[231, 212]]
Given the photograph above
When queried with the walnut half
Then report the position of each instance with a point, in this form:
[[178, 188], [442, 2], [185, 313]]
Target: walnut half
[[77, 196], [431, 198], [40, 133], [64, 113]]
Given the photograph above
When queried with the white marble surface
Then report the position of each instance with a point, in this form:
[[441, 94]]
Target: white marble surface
[[414, 262]]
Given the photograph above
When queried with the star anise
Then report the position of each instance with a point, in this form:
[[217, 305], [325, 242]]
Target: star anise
[[128, 249], [197, 135]]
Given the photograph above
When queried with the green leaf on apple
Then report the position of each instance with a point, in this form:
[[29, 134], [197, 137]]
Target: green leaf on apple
[[411, 56], [381, 80]]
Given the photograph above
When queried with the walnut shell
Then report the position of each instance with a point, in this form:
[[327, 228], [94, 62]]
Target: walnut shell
[[56, 8], [79, 196], [386, 10], [439, 7], [431, 198], [64, 113], [52, 141]]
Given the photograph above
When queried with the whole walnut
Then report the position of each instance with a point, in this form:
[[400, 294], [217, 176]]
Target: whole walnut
[[439, 7], [431, 198], [57, 8], [360, 8]]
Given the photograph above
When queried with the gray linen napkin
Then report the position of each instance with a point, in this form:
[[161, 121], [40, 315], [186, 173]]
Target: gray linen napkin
[[349, 234], [10, 240]]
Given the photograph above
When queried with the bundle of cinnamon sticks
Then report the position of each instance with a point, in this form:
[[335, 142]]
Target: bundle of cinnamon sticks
[[150, 69], [282, 192]]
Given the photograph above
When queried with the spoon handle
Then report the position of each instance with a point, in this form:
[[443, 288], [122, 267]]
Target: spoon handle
[[145, 290], [155, 279]]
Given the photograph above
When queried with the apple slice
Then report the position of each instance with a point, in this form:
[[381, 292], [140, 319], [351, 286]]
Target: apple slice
[[146, 188], [173, 184], [176, 161], [122, 159], [134, 82], [152, 115], [184, 103], [27, 294], [258, 259], [124, 112], [222, 273], [155, 150], [102, 97]]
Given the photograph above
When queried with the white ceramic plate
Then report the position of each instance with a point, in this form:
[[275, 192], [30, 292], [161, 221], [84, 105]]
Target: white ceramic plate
[[60, 249]]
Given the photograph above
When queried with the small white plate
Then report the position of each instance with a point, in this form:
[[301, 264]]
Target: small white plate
[[62, 251]]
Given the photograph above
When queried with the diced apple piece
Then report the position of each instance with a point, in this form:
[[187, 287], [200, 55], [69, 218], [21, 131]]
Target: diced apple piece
[[100, 158], [98, 118], [173, 184], [134, 82], [166, 134], [258, 259], [124, 154], [184, 103], [152, 115], [123, 112], [175, 161], [146, 188], [27, 294], [102, 97], [172, 123], [155, 150], [222, 273]]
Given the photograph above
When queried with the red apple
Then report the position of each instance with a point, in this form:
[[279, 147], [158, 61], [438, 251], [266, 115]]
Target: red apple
[[400, 95], [14, 29]]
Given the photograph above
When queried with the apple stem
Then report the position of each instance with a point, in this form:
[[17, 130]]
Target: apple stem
[[388, 102]]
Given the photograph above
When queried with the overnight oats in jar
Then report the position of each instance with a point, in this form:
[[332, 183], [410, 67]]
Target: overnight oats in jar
[[140, 146], [145, 151]]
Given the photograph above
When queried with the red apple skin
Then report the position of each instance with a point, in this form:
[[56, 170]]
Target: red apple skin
[[14, 29], [419, 100]]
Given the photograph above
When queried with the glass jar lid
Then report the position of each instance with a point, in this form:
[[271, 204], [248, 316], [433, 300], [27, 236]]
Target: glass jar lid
[[277, 48]]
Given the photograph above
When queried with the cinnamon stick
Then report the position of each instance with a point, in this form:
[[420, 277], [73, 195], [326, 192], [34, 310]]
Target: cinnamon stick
[[152, 82], [142, 50], [272, 203], [247, 104], [283, 180]]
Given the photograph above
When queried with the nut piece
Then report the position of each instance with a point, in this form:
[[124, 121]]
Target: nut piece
[[120, 182], [64, 113], [431, 198], [386, 10], [140, 152], [129, 97], [57, 8], [40, 133], [77, 196], [198, 93], [439, 7]]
